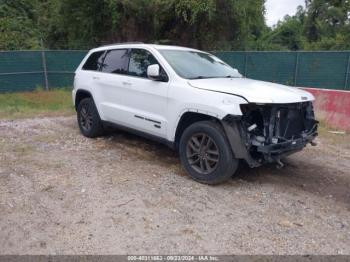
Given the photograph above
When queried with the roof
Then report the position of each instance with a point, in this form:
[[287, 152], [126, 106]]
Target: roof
[[142, 45]]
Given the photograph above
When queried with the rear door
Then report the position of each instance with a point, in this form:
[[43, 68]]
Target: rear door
[[86, 77], [110, 85]]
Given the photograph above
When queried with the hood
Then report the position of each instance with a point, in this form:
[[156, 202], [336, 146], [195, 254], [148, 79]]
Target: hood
[[253, 90]]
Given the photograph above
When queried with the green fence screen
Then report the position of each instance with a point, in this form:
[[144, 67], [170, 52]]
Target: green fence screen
[[25, 70], [330, 70]]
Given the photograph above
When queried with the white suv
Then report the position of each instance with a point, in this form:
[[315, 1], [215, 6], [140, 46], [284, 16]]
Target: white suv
[[195, 103]]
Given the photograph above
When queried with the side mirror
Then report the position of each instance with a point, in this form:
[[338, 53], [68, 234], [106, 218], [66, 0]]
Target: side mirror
[[153, 72]]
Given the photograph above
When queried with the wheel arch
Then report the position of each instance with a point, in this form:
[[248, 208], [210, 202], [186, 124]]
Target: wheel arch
[[188, 118], [80, 95], [230, 127]]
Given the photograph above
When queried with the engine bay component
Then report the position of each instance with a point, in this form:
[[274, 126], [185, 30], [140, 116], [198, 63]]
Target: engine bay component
[[273, 131]]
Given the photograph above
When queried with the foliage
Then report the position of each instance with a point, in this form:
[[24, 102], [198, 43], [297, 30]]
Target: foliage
[[17, 24], [327, 24], [206, 24], [322, 25]]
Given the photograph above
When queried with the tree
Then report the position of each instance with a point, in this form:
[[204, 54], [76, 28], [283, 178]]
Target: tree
[[207, 24], [322, 25], [288, 34], [18, 29], [327, 24]]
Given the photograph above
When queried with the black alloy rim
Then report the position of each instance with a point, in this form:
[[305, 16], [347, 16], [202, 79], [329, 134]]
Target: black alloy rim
[[202, 153], [86, 117]]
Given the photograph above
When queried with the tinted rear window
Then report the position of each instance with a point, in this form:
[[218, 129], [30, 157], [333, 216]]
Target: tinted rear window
[[116, 61], [94, 61]]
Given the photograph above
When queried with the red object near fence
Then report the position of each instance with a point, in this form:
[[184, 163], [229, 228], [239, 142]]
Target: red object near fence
[[332, 107]]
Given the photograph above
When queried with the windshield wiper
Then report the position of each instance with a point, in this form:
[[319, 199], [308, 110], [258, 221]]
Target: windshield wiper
[[229, 76], [199, 77], [208, 77]]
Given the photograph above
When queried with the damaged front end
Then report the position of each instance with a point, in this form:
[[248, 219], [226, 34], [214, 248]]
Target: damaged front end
[[269, 132]]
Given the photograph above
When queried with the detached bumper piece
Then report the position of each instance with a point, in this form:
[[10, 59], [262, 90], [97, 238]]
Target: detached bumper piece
[[285, 148]]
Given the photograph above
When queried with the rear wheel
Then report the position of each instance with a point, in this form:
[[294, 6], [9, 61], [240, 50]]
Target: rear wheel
[[89, 120], [205, 153]]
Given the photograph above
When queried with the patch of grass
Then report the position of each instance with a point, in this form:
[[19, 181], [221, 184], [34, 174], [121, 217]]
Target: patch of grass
[[341, 140], [37, 103]]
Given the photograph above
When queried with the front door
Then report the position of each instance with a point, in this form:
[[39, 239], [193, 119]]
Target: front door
[[146, 98], [128, 97]]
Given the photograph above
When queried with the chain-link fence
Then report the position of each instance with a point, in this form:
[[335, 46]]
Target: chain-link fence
[[27, 70]]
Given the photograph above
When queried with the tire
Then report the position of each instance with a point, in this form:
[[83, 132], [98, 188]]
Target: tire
[[89, 121], [206, 154]]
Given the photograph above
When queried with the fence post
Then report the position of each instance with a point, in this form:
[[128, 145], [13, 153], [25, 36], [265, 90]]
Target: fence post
[[43, 59], [296, 68], [245, 63], [347, 73]]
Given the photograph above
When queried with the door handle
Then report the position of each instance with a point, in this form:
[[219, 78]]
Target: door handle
[[95, 78], [126, 83]]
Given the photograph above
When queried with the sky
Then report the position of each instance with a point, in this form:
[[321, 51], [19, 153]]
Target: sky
[[277, 9]]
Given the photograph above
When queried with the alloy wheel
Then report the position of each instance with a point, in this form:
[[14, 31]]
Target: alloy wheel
[[202, 153], [86, 117]]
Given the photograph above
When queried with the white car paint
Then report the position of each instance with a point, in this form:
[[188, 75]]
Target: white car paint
[[254, 91], [119, 98]]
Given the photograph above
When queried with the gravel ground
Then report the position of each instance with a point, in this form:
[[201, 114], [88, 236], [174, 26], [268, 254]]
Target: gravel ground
[[61, 193]]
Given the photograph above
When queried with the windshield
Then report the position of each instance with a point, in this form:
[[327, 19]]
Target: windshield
[[198, 65]]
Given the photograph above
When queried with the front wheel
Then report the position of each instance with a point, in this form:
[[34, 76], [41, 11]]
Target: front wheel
[[205, 153]]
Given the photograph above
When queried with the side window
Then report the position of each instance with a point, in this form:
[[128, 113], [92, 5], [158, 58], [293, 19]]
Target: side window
[[116, 61], [94, 61], [140, 59]]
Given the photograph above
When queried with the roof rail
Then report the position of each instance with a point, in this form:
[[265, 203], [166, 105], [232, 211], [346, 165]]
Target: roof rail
[[124, 43]]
